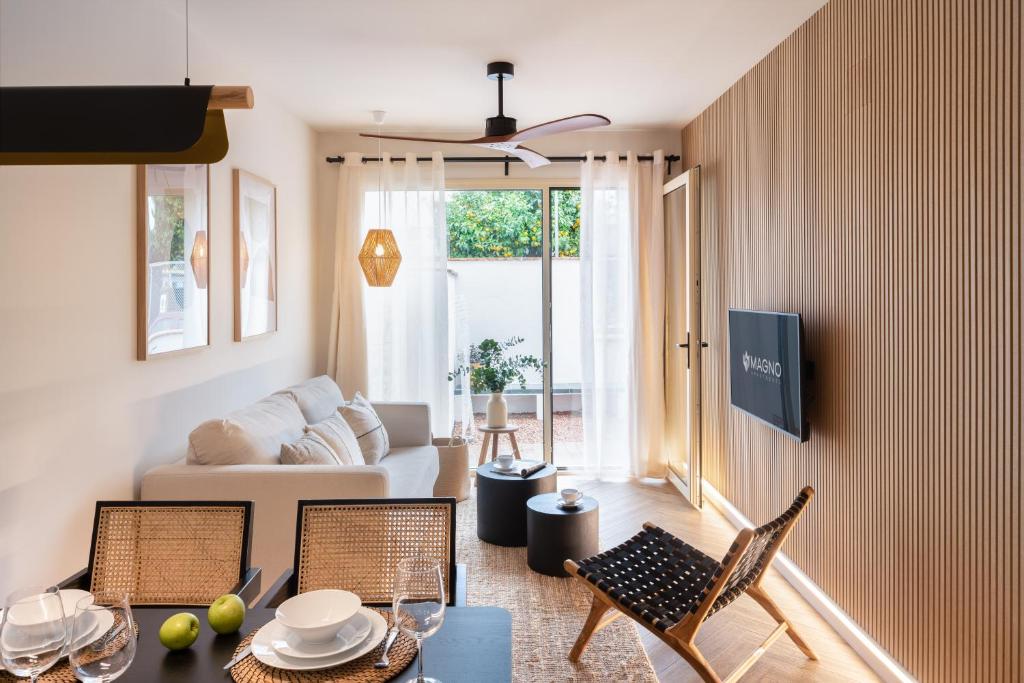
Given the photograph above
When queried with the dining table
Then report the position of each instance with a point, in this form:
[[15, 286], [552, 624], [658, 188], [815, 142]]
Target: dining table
[[474, 644]]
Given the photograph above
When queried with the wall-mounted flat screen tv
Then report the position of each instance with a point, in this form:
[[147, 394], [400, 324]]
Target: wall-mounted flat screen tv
[[767, 367]]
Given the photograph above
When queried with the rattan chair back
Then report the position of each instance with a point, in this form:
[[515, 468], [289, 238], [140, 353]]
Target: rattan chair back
[[356, 545], [169, 552]]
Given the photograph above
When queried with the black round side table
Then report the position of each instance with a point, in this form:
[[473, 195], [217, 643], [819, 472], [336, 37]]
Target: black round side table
[[501, 503], [556, 535]]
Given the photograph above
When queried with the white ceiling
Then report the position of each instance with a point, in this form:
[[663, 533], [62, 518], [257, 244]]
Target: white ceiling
[[643, 63]]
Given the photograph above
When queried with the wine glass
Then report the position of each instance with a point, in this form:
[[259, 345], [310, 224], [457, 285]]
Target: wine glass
[[102, 638], [419, 602], [33, 631]]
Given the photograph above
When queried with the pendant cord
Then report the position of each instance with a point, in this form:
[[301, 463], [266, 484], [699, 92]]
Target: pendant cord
[[381, 204], [188, 81]]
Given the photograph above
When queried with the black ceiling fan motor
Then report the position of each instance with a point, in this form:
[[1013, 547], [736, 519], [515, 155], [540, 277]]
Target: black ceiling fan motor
[[500, 124]]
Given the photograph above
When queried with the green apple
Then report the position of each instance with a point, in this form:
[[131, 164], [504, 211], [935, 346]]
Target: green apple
[[179, 631], [226, 613]]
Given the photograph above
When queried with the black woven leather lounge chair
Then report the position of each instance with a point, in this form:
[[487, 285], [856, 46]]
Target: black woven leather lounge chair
[[670, 588]]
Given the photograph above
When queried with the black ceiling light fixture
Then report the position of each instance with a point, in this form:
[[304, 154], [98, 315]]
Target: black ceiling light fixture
[[501, 132], [118, 124]]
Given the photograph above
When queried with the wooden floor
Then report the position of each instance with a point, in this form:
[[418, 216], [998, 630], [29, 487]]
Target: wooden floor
[[729, 636]]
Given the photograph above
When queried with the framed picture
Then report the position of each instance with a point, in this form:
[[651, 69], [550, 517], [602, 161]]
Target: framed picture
[[173, 251], [255, 206]]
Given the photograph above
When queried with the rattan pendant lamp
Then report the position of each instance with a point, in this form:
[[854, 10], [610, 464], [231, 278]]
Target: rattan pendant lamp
[[379, 257]]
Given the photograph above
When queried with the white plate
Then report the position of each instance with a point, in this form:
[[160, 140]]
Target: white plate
[[562, 505], [499, 468], [352, 633], [263, 649], [104, 621]]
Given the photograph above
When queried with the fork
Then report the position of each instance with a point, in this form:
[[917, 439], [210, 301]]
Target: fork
[[383, 662]]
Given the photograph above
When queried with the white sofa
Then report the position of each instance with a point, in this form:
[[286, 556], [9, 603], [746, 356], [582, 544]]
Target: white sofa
[[236, 458]]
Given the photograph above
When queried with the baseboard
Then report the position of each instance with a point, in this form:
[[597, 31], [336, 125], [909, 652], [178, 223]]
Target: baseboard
[[887, 668]]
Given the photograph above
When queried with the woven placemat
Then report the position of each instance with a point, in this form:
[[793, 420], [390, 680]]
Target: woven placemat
[[251, 670], [61, 672]]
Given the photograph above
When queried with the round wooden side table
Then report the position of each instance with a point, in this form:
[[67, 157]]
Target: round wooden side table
[[501, 503], [491, 435], [555, 535]]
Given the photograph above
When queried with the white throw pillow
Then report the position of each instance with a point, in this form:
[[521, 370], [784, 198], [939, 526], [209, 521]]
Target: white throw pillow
[[250, 436], [369, 430], [317, 398], [340, 437], [309, 449]]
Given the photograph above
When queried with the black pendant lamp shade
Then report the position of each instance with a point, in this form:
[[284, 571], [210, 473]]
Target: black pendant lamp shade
[[116, 124]]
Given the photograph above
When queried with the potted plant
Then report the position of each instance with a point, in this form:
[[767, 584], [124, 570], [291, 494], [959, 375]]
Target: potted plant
[[490, 370]]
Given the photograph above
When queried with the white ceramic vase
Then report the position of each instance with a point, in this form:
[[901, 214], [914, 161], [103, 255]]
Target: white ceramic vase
[[497, 411]]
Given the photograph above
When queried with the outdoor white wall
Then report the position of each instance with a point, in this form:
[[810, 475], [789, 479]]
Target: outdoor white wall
[[333, 143], [80, 419], [503, 299]]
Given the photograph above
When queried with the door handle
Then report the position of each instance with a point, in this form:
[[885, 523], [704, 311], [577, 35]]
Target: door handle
[[686, 346]]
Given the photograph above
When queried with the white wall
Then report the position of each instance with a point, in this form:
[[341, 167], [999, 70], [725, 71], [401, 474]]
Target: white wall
[[80, 418], [504, 299], [335, 143]]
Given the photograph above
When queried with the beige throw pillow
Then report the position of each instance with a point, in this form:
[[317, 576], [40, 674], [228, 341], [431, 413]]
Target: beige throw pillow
[[250, 436], [309, 449], [369, 430], [340, 437]]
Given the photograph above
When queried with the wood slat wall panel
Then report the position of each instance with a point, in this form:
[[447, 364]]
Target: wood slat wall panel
[[867, 174]]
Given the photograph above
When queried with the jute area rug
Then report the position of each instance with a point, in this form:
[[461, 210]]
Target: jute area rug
[[547, 614]]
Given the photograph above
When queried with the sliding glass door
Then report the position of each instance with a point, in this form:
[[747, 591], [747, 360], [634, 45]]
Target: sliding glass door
[[513, 265], [495, 267]]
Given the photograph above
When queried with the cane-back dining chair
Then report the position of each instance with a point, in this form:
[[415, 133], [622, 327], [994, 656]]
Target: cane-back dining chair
[[171, 552], [355, 545], [671, 588]]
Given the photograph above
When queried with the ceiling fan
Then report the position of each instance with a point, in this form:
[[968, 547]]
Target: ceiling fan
[[501, 133]]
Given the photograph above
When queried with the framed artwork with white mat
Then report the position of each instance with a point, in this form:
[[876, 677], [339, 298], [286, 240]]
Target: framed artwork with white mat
[[255, 255]]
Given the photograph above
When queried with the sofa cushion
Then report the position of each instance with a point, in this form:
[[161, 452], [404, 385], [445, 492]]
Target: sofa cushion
[[368, 428], [250, 436], [411, 471], [317, 398], [340, 437], [309, 449]]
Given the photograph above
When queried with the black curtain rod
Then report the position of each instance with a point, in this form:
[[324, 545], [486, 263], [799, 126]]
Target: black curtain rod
[[669, 158]]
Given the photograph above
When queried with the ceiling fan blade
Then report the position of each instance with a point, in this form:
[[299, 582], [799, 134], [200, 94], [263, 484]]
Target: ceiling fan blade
[[566, 125], [415, 139], [532, 159]]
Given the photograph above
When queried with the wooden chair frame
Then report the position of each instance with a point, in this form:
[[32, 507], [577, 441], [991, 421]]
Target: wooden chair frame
[[249, 578], [682, 636]]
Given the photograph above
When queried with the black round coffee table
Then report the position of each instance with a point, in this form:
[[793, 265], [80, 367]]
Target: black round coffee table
[[501, 503], [556, 535]]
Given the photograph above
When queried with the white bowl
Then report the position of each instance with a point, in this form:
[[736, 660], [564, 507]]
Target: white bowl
[[317, 616]]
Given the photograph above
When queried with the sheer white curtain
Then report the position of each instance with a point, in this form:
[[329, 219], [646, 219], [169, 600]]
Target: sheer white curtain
[[622, 289], [407, 323], [346, 349], [391, 343]]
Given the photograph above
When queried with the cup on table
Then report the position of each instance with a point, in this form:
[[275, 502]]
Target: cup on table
[[570, 497], [505, 461]]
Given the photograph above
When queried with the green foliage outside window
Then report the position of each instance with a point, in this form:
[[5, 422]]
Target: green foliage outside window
[[509, 223], [565, 215]]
